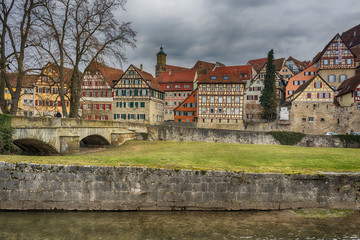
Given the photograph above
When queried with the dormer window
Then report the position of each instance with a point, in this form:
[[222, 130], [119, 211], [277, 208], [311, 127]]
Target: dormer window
[[226, 77], [213, 77]]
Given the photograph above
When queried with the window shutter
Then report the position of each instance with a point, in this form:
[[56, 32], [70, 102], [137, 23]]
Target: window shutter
[[329, 95], [51, 103], [314, 84], [83, 83], [104, 106], [83, 94], [82, 106], [112, 94], [97, 93], [110, 106], [67, 103], [114, 116], [59, 103], [138, 117], [36, 102], [106, 117], [98, 106], [90, 94], [320, 84], [317, 95]]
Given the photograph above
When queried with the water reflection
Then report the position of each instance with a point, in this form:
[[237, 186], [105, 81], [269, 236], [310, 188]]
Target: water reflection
[[174, 225]]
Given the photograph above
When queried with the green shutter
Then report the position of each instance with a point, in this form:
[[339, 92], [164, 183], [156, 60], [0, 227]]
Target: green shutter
[[136, 93], [120, 104], [138, 116], [128, 116], [114, 116], [136, 104]]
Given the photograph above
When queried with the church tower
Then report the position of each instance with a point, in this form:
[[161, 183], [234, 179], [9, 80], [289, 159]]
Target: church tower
[[161, 62]]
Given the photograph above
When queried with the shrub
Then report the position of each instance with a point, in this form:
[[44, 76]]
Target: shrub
[[287, 138], [348, 139], [6, 143]]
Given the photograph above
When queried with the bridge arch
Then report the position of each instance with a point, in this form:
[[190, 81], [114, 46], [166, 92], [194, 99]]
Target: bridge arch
[[35, 147], [94, 141]]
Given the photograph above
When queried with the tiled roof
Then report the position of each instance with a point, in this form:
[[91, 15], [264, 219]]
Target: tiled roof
[[279, 63], [356, 51], [175, 68], [349, 85], [176, 76], [233, 73], [257, 64], [352, 36], [28, 80], [203, 65], [110, 74], [298, 63], [149, 79], [307, 83]]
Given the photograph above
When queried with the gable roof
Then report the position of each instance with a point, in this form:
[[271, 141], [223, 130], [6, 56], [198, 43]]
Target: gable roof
[[186, 76], [307, 83], [28, 80], [298, 63], [110, 74], [149, 79], [234, 74], [257, 64], [203, 65], [319, 55], [349, 85], [352, 36], [175, 68], [186, 100], [54, 67], [279, 63]]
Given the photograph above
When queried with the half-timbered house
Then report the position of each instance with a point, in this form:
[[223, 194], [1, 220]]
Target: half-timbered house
[[221, 97], [187, 110], [138, 97], [349, 92], [96, 91]]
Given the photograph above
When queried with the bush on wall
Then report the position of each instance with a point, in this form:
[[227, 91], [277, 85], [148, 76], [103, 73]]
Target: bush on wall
[[287, 138], [348, 139], [6, 143]]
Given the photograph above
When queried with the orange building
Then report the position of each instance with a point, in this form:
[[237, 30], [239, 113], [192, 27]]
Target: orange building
[[299, 79], [187, 110]]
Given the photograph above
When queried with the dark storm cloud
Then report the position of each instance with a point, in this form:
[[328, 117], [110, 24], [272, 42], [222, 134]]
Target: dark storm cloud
[[234, 31]]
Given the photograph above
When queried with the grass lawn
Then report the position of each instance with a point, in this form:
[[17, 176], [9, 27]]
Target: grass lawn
[[212, 156]]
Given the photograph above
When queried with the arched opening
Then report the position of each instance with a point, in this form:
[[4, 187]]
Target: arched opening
[[94, 141], [35, 147]]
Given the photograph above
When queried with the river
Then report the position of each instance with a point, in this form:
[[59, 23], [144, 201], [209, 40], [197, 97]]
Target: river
[[175, 225]]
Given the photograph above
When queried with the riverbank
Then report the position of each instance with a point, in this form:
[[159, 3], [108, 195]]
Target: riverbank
[[27, 186], [211, 156]]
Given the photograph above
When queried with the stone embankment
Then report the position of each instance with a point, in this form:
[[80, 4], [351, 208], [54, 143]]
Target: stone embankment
[[26, 186]]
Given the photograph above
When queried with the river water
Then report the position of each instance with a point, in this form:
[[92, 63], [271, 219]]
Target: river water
[[175, 225]]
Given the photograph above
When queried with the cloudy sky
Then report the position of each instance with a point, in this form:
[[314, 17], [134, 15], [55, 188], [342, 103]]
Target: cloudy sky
[[234, 31]]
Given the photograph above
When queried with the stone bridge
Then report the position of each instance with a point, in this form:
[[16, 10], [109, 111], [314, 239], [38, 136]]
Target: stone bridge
[[47, 136]]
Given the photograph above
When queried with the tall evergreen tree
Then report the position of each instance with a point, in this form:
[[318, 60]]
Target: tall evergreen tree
[[268, 98]]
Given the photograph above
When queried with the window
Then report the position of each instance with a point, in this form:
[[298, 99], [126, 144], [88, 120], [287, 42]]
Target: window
[[212, 87], [228, 111], [212, 99], [228, 88], [317, 84], [131, 72], [204, 88], [290, 92], [303, 119], [349, 61], [220, 111], [203, 99], [311, 119], [212, 111], [342, 77], [331, 78], [284, 70], [357, 93], [220, 88], [228, 99], [237, 111], [322, 120], [326, 61], [203, 110], [213, 77], [226, 77], [237, 87], [127, 81], [237, 99], [308, 95], [142, 104], [220, 99]]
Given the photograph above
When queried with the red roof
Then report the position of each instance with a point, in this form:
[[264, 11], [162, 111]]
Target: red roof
[[149, 79], [110, 74], [352, 36], [349, 85], [182, 76], [175, 68], [236, 74], [28, 79], [257, 64], [203, 65]]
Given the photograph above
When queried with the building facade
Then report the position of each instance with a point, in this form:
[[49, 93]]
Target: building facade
[[138, 98], [187, 110]]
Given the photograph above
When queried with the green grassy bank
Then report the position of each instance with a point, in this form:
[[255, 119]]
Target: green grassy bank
[[212, 156]]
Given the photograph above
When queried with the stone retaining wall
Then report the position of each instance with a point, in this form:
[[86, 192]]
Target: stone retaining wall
[[48, 187]]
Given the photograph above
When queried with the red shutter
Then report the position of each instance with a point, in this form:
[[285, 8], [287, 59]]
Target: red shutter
[[36, 102], [107, 118], [104, 106], [317, 95], [59, 103], [320, 84], [67, 103], [90, 94], [82, 106], [112, 94], [98, 106], [83, 94], [97, 94], [95, 117], [83, 83], [314, 84], [36, 90], [96, 84], [106, 93], [110, 106], [51, 103], [323, 95], [329, 95]]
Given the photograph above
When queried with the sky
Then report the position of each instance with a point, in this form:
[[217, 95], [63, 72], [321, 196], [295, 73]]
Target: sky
[[233, 31]]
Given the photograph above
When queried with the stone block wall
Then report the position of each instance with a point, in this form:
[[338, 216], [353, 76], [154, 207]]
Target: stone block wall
[[48, 187]]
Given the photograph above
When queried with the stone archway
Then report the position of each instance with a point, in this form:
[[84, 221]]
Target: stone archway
[[35, 147], [94, 141]]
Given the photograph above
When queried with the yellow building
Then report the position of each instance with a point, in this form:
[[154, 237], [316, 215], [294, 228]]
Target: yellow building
[[47, 98]]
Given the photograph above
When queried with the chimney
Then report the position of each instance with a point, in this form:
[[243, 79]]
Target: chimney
[[169, 72], [141, 67]]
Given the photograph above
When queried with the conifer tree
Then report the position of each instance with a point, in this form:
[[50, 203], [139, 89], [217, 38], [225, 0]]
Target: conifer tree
[[268, 98]]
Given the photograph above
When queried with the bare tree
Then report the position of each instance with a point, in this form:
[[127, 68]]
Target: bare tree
[[82, 31], [16, 26]]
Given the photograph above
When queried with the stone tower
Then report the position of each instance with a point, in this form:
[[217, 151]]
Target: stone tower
[[161, 62]]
